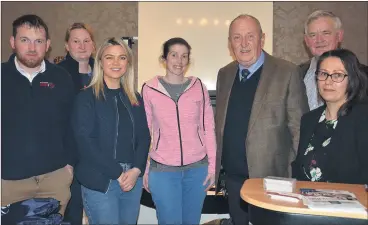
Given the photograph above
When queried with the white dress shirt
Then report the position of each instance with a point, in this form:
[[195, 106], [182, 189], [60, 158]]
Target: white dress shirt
[[314, 100]]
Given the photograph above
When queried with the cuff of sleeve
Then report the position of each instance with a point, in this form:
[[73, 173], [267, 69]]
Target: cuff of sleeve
[[117, 172], [211, 169], [141, 168]]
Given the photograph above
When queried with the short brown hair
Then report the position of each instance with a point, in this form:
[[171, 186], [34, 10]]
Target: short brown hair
[[33, 21]]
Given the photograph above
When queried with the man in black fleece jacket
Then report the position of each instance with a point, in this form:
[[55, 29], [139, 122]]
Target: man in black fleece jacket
[[37, 97]]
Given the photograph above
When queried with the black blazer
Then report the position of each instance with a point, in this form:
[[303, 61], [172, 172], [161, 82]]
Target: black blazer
[[72, 66], [349, 142], [94, 124]]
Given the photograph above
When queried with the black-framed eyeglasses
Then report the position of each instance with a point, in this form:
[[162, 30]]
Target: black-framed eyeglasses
[[335, 77]]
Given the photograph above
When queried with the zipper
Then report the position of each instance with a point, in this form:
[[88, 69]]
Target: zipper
[[158, 139], [199, 136], [132, 119], [108, 187], [117, 130], [178, 119], [117, 126], [181, 142]]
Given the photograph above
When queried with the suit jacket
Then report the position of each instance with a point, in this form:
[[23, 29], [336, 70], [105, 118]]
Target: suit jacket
[[273, 131], [304, 67], [348, 163]]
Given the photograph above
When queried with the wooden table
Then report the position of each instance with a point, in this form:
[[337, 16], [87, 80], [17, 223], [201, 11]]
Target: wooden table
[[253, 193]]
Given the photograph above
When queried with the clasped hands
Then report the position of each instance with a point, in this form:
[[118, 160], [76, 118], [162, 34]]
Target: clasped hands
[[128, 179]]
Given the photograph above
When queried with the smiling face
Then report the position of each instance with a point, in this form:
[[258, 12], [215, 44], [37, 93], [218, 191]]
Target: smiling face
[[322, 36], [114, 63], [30, 46], [177, 60], [246, 40], [80, 45], [330, 91]]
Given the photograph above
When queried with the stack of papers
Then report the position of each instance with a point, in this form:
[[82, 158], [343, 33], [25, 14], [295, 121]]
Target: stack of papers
[[282, 196], [331, 201], [279, 184]]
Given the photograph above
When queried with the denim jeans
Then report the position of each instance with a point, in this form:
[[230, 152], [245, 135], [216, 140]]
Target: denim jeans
[[114, 207], [179, 195]]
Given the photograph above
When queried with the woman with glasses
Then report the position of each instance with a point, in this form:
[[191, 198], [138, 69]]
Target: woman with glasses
[[333, 144]]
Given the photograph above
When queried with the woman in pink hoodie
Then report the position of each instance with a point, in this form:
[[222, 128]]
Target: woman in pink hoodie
[[183, 151]]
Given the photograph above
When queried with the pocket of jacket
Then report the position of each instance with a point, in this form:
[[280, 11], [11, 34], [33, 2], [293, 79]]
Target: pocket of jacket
[[158, 139], [199, 136]]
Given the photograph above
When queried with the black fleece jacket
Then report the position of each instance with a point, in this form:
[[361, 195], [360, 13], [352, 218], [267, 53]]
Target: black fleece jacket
[[72, 66], [35, 117]]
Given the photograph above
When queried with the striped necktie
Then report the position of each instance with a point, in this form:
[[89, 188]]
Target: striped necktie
[[244, 75]]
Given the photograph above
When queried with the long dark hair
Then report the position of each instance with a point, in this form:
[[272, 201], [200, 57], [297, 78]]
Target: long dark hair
[[357, 87]]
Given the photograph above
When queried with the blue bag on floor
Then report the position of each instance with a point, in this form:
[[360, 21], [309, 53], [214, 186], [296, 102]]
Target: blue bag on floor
[[34, 211]]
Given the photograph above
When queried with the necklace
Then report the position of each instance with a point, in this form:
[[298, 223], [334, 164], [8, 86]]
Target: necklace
[[174, 87]]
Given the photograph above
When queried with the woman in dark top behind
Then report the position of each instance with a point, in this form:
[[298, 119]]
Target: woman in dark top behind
[[79, 43], [333, 144], [110, 126], [80, 46]]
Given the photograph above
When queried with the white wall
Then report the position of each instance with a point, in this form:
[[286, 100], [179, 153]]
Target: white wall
[[203, 24]]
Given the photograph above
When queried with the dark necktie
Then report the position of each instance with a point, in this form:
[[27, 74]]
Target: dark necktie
[[244, 75]]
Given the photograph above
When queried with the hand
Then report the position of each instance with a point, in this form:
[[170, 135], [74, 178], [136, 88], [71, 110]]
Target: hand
[[210, 181], [145, 182], [70, 169], [129, 178]]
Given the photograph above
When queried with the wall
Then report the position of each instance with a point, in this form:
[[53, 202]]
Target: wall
[[121, 19], [107, 19], [289, 18], [203, 24]]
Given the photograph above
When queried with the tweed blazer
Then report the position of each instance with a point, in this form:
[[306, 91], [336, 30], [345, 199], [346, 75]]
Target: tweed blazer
[[273, 132]]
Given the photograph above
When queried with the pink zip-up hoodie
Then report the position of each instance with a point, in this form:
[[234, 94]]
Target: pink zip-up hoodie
[[183, 132]]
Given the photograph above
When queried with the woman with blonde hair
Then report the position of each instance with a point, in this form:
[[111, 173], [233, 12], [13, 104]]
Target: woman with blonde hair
[[110, 127], [80, 46]]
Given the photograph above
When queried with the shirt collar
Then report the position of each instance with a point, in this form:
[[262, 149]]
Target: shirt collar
[[253, 68], [23, 72], [313, 63]]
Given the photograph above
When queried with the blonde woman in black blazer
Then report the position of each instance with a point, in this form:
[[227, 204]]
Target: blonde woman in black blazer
[[333, 144]]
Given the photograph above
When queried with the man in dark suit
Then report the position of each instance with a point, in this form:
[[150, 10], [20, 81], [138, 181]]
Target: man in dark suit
[[323, 32], [260, 100]]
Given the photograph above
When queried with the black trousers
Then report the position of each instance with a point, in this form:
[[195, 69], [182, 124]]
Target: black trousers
[[74, 210], [238, 208]]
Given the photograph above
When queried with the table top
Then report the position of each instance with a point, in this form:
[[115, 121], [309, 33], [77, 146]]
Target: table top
[[253, 193]]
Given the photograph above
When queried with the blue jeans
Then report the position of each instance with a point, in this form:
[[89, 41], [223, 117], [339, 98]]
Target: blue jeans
[[114, 207], [178, 196]]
